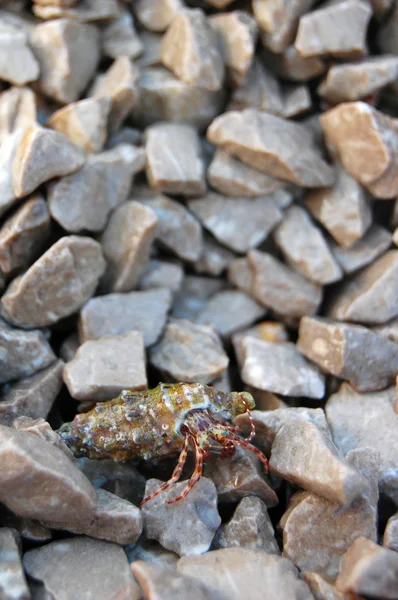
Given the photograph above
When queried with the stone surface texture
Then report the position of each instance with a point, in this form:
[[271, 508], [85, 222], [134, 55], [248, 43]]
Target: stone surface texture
[[13, 585], [242, 311]]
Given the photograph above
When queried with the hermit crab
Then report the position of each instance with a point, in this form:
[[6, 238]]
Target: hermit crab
[[167, 420]]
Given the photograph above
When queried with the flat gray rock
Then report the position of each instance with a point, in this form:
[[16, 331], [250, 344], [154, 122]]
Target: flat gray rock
[[242, 312], [374, 243]]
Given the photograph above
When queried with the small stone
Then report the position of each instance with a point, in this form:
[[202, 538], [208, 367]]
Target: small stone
[[127, 135], [360, 421], [260, 89], [305, 248], [64, 75], [242, 312], [369, 569], [193, 295], [240, 476], [218, 3], [83, 568], [235, 572], [390, 538], [224, 216], [317, 533], [279, 368], [369, 297], [250, 527], [69, 347], [103, 368], [214, 258], [18, 64], [322, 588], [292, 66], [41, 155], [178, 230], [85, 11], [386, 38], [231, 177], [297, 100], [343, 209], [64, 278], [256, 138], [60, 3], [156, 15], [13, 584], [9, 148], [188, 352], [22, 352], [44, 431], [166, 523], [120, 38], [33, 396], [374, 243], [190, 50], [163, 97], [120, 84], [39, 481], [366, 141], [267, 331], [237, 35], [337, 30], [162, 274], [83, 122], [150, 56], [174, 162], [153, 553], [24, 235], [334, 347], [17, 109]]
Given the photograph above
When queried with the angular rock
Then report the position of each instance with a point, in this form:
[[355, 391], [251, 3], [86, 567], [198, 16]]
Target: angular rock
[[297, 100], [190, 50], [260, 89], [127, 135], [83, 122], [150, 56], [166, 523], [82, 567], [65, 74], [214, 258], [242, 311], [29, 530], [162, 274], [18, 64], [177, 228], [257, 139], [292, 66], [366, 141], [193, 295], [13, 585], [250, 527], [156, 15], [235, 571], [33, 396], [151, 552], [120, 38], [369, 297], [113, 314], [224, 216], [360, 421], [174, 162], [17, 109], [267, 331], [22, 352], [120, 84], [390, 538], [9, 149], [24, 235], [188, 352], [63, 278], [39, 481], [322, 588], [374, 243], [317, 31], [103, 368], [369, 569], [305, 248], [85, 11], [316, 533], [44, 431], [237, 35], [335, 348], [69, 347]]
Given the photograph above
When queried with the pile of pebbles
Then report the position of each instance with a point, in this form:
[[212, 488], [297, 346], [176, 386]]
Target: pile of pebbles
[[201, 191]]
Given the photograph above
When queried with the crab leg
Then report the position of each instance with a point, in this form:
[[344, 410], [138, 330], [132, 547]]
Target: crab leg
[[250, 416], [225, 438], [196, 475]]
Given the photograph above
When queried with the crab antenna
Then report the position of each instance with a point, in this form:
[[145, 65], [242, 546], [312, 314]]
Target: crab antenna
[[252, 425]]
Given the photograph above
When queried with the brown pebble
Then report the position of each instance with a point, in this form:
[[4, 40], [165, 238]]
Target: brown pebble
[[64, 278], [13, 585], [113, 314], [363, 252], [242, 312], [214, 258], [390, 538], [162, 274], [322, 588], [103, 368], [156, 15], [84, 11], [119, 38], [237, 36], [193, 295], [18, 110], [18, 64]]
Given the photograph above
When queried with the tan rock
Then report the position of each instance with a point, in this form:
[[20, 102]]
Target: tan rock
[[367, 421], [43, 430], [113, 314], [343, 209], [366, 141], [18, 64], [214, 258], [156, 15], [127, 242], [174, 162], [120, 38], [120, 84], [39, 481], [230, 310], [83, 122], [41, 155], [370, 296], [234, 571], [316, 35], [390, 538], [266, 331], [190, 50], [84, 566], [85, 11], [369, 569], [322, 588], [32, 396], [193, 295], [17, 110], [61, 3], [237, 36], [13, 585], [374, 243], [224, 216], [103, 368], [23, 352], [63, 278], [256, 138], [219, 3], [158, 581], [189, 352], [24, 235], [292, 66], [65, 74], [162, 274], [316, 533]]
